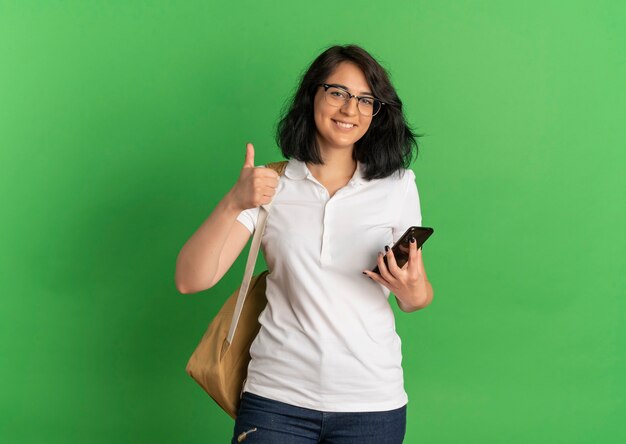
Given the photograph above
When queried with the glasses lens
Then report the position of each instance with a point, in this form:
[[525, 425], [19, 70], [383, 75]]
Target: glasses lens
[[368, 106], [336, 96]]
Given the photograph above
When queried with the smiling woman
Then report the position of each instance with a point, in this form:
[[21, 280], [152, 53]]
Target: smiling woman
[[327, 361]]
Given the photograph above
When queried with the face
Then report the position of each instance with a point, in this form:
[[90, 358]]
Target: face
[[341, 127]]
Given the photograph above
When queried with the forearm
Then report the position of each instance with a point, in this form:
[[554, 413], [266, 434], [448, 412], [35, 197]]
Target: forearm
[[198, 260]]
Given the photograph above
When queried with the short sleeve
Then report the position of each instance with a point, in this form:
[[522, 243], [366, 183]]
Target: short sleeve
[[249, 218], [410, 213]]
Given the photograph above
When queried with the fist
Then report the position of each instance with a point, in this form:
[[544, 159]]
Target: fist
[[256, 186]]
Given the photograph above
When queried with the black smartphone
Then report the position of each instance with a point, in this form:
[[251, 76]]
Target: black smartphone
[[401, 248]]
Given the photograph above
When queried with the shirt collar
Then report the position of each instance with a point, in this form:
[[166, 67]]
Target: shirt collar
[[297, 170]]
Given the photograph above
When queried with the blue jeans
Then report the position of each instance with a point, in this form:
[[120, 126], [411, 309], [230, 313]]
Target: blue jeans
[[269, 421]]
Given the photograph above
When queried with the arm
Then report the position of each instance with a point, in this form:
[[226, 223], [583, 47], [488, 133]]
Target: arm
[[213, 248], [409, 284]]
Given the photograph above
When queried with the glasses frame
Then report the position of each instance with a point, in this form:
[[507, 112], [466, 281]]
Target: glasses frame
[[350, 97]]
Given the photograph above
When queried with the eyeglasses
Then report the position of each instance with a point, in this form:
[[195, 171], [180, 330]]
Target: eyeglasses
[[338, 97]]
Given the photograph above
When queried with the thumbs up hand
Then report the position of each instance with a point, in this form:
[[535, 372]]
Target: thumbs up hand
[[256, 186]]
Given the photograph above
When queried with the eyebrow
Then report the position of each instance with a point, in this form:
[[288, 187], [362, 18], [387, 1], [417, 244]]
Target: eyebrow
[[367, 93]]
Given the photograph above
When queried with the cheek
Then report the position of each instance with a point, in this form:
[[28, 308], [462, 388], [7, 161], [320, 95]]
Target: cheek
[[364, 127], [318, 113], [318, 118]]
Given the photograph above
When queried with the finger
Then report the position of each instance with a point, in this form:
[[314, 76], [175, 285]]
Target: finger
[[384, 271], [391, 261], [268, 191], [267, 174], [249, 162], [377, 278], [413, 255], [263, 183], [420, 263], [264, 200]]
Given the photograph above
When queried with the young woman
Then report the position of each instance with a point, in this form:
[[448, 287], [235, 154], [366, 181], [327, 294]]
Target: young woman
[[326, 364]]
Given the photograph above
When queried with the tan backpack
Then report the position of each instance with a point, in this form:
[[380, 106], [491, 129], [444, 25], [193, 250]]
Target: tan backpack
[[220, 361]]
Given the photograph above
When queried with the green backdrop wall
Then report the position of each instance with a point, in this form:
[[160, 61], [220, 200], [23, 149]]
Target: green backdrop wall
[[122, 124]]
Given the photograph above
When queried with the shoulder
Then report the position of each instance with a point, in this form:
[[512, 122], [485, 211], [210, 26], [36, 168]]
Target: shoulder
[[404, 182], [408, 174], [402, 177]]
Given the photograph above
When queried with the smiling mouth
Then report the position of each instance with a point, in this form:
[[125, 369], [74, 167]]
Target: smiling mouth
[[344, 124]]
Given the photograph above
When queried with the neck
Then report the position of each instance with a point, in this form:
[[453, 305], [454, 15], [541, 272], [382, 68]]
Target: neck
[[337, 164]]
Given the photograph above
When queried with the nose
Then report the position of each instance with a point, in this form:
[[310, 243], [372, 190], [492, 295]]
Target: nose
[[350, 107]]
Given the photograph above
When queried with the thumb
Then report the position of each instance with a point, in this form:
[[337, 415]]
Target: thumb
[[249, 163]]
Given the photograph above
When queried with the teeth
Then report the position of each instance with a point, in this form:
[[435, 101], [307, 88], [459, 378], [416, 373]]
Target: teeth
[[344, 125]]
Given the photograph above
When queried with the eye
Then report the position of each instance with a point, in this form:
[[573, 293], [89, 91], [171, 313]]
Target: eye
[[367, 101], [333, 91]]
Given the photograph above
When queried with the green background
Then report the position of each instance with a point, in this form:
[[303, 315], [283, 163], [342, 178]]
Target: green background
[[123, 123]]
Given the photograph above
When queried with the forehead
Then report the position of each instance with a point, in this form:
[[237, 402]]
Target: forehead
[[349, 75]]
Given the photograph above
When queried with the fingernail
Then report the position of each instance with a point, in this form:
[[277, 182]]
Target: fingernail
[[386, 247], [412, 240], [364, 272]]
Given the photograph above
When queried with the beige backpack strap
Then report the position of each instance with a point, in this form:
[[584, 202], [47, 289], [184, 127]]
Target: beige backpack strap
[[279, 167]]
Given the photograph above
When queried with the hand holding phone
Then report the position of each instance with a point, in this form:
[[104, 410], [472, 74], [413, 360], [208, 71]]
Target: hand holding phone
[[401, 247]]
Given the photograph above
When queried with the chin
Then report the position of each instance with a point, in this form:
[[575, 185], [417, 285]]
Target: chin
[[342, 144], [344, 140]]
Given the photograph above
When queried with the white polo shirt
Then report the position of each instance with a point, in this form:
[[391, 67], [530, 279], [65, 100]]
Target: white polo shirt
[[327, 339]]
